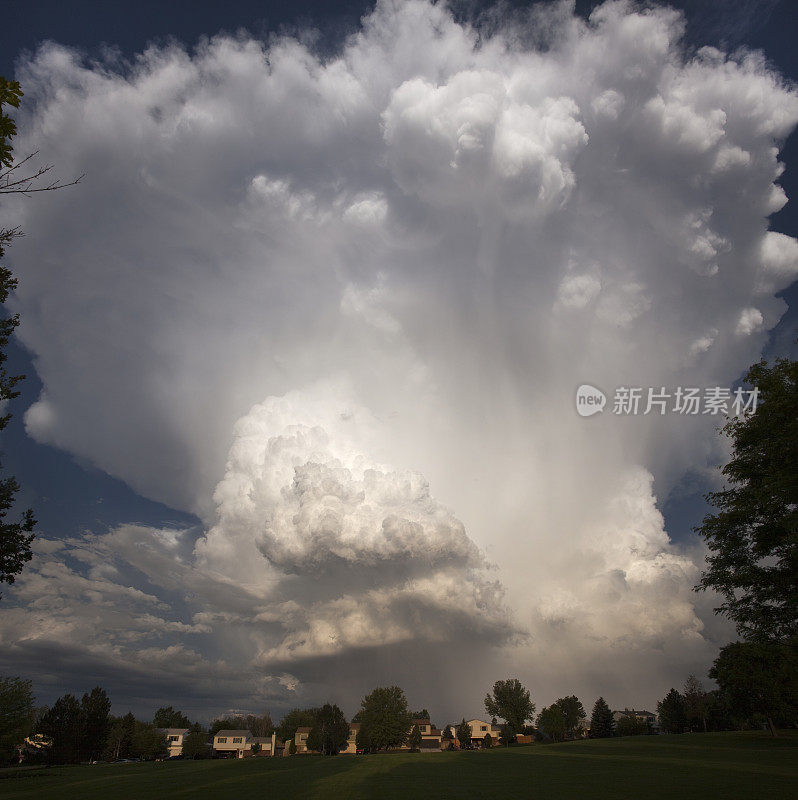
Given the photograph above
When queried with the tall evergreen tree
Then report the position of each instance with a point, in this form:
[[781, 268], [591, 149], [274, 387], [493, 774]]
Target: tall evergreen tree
[[672, 716], [63, 723], [95, 708], [602, 724]]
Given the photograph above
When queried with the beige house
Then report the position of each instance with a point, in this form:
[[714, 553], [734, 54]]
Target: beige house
[[239, 744], [479, 730], [430, 735], [175, 737], [301, 739], [235, 743], [351, 742]]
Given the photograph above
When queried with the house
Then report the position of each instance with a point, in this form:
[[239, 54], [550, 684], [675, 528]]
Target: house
[[266, 746], [646, 717], [480, 729], [430, 735], [175, 737], [239, 744], [301, 739], [351, 742], [232, 744]]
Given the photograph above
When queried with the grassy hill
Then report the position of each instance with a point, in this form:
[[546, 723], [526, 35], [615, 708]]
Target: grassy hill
[[705, 766]]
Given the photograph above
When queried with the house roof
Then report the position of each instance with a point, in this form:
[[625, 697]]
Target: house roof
[[304, 729], [433, 732], [423, 721], [234, 733], [173, 731], [354, 726], [262, 740]]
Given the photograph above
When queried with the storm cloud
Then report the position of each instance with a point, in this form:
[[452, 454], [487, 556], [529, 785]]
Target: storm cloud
[[338, 308]]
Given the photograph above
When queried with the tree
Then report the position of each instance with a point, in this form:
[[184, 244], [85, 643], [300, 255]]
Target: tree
[[573, 713], [512, 702], [753, 561], [168, 717], [672, 717], [147, 742], [415, 739], [16, 716], [384, 714], [423, 714], [464, 734], [448, 737], [629, 725], [362, 739], [759, 678], [95, 708], [695, 703], [296, 718], [292, 748], [195, 744], [15, 537], [602, 724], [487, 742], [330, 731], [551, 721], [12, 181], [256, 725], [63, 724]]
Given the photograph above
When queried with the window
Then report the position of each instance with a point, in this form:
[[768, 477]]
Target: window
[[174, 738], [237, 740], [484, 727], [221, 740]]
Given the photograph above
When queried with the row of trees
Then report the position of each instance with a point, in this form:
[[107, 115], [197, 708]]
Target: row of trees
[[73, 730]]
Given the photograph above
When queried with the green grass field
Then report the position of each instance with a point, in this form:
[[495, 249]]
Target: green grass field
[[706, 766]]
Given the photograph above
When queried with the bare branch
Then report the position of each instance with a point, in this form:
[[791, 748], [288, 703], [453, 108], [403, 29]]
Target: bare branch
[[26, 185]]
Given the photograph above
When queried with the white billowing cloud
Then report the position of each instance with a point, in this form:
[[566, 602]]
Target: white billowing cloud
[[750, 321], [289, 287]]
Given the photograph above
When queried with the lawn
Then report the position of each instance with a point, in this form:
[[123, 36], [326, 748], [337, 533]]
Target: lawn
[[724, 765]]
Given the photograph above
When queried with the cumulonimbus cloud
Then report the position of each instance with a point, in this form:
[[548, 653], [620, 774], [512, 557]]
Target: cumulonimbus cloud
[[291, 286]]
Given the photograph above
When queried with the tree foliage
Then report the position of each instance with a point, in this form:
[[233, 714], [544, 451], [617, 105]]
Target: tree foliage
[[512, 702], [753, 537], [63, 724], [147, 743], [384, 714], [295, 718], [671, 712], [257, 725], [15, 536], [195, 743], [464, 734], [330, 731], [695, 704], [573, 712], [16, 716], [415, 739], [602, 724], [551, 722], [95, 708], [759, 678], [629, 725], [168, 717]]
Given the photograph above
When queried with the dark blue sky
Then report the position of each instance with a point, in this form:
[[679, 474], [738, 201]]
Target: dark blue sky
[[68, 496]]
